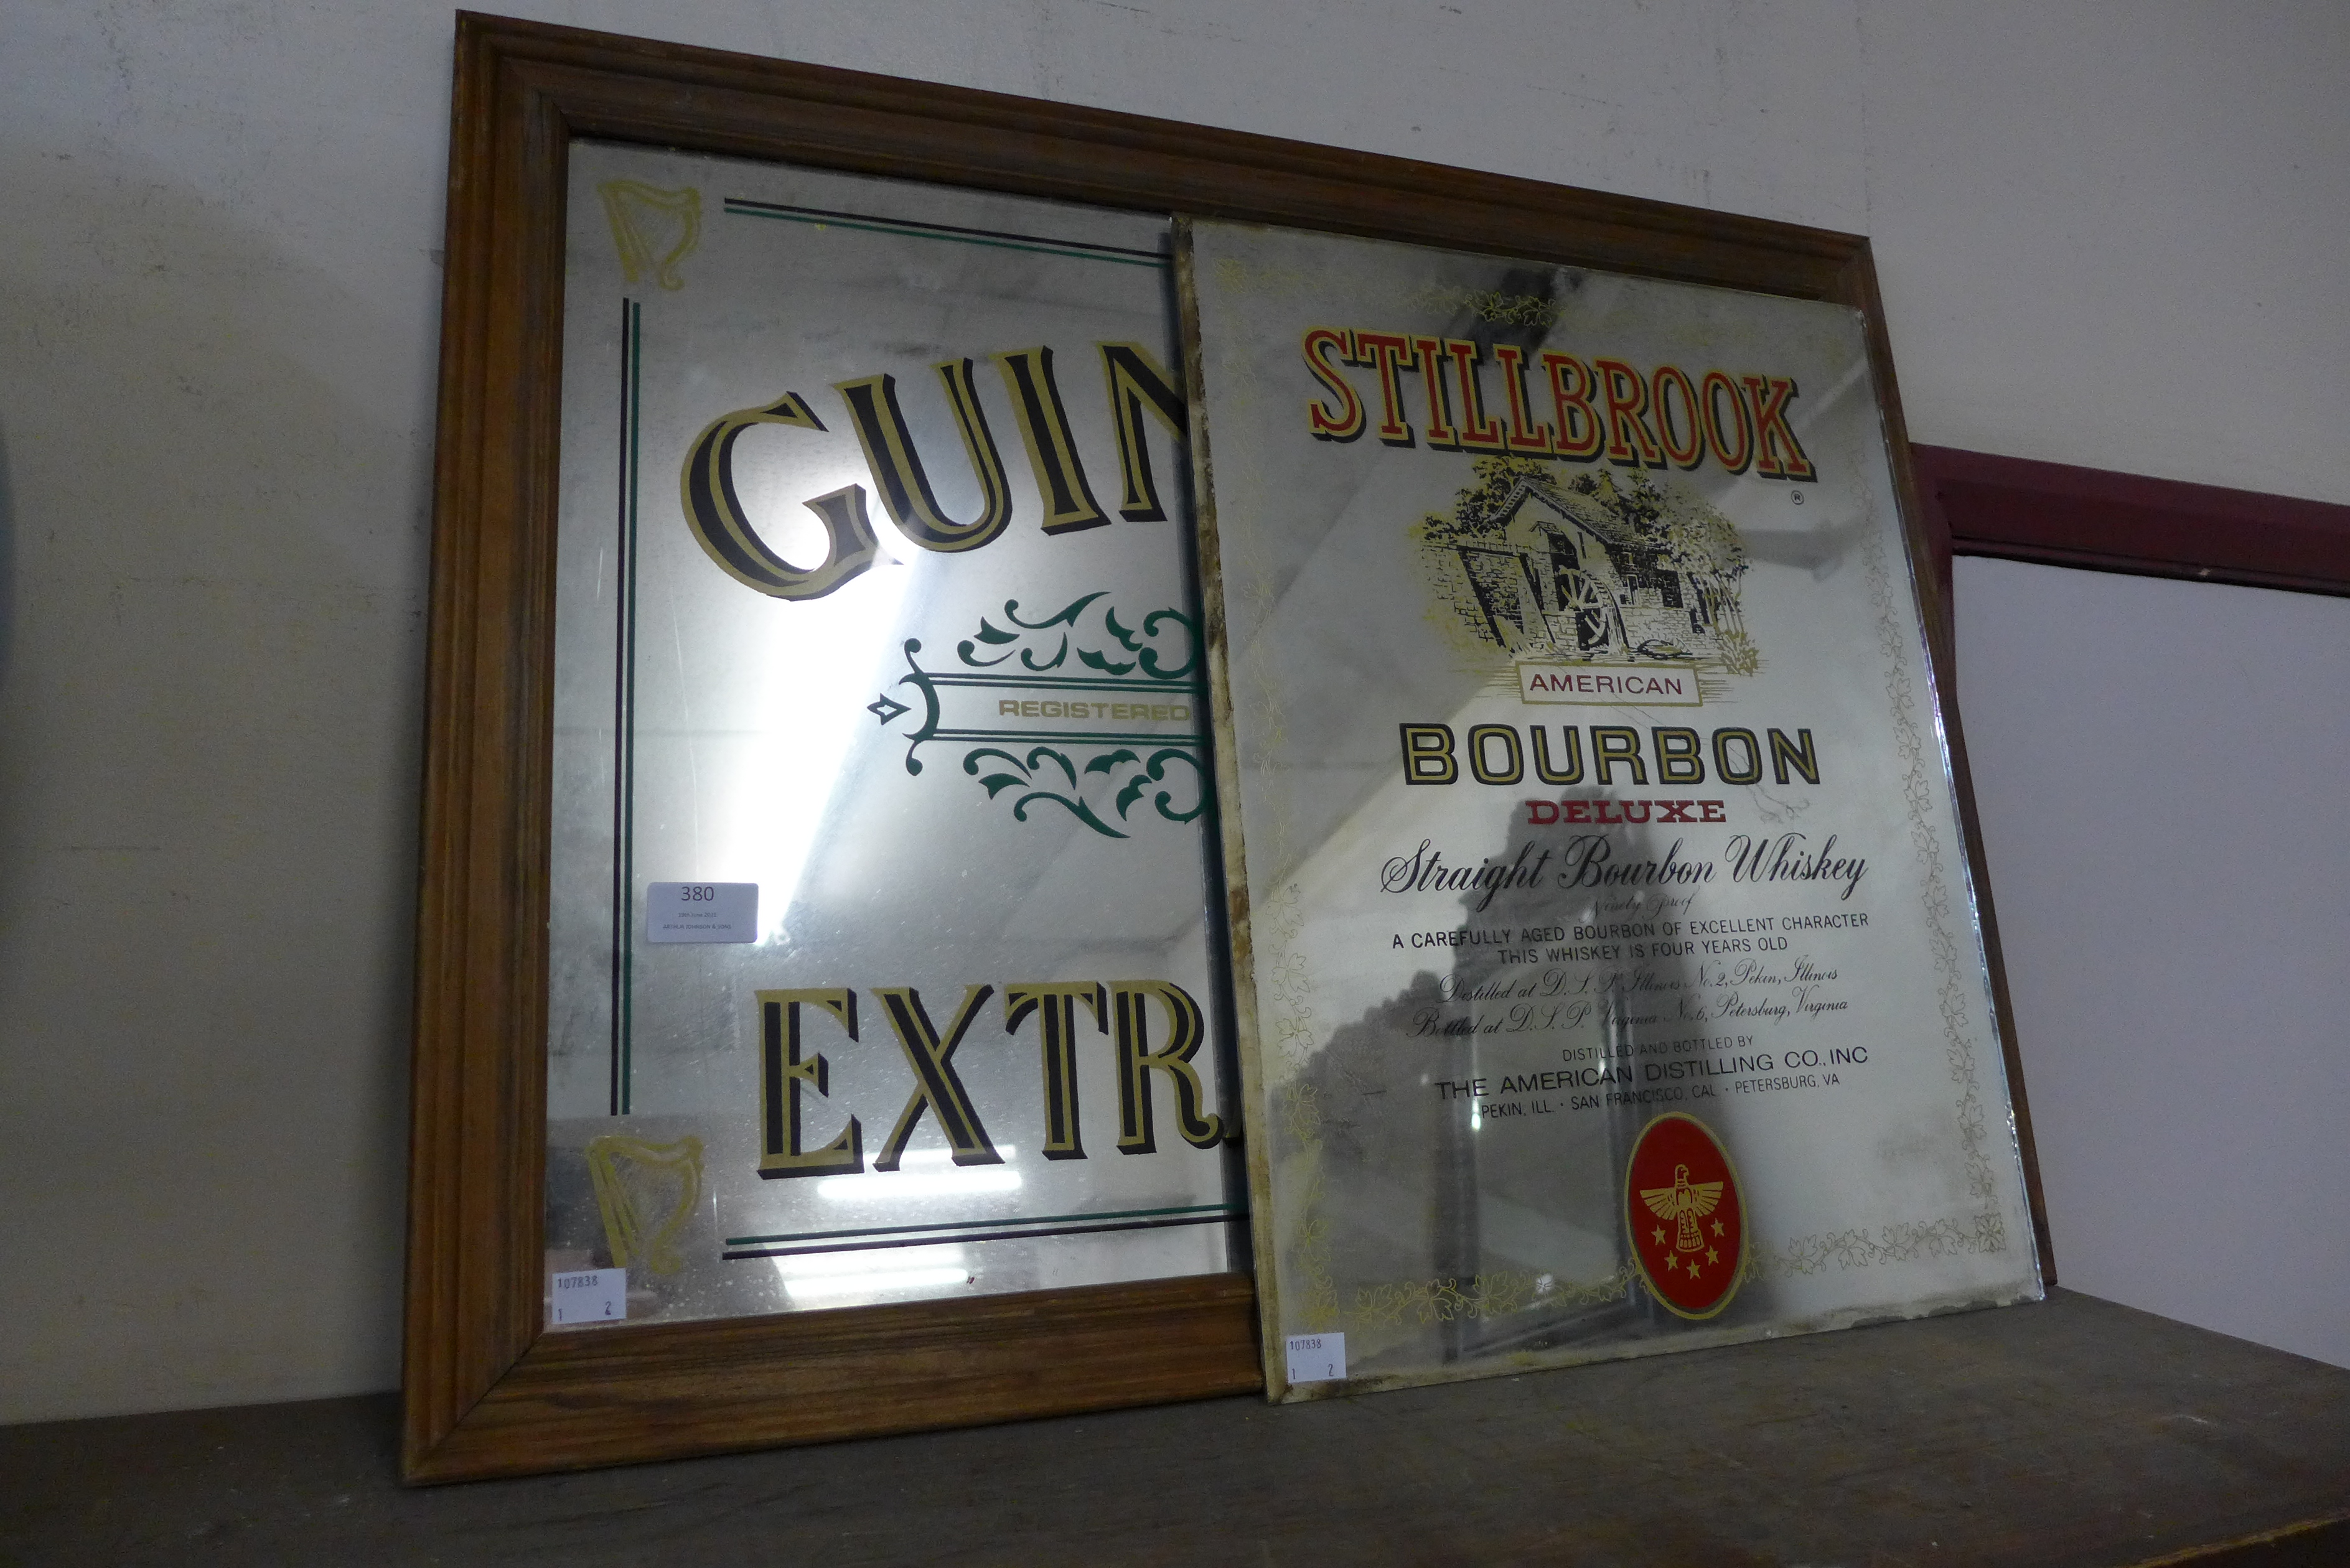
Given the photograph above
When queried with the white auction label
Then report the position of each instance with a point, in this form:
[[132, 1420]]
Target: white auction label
[[1317, 1357], [591, 1296], [702, 912]]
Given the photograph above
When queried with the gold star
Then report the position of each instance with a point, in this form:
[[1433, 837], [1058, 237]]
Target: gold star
[[1717, 1228], [1659, 1234], [1668, 1262], [1692, 1268], [1711, 1256]]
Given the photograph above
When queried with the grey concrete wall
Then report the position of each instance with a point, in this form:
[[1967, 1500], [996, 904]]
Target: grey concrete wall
[[2159, 769], [2106, 235]]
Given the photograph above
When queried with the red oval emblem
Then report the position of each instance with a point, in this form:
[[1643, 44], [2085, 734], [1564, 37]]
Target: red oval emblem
[[1687, 1220]]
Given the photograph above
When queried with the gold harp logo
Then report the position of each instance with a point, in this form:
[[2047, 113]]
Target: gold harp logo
[[634, 1181], [652, 229]]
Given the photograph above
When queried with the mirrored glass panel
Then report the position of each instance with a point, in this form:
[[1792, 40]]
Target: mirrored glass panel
[[882, 964], [1617, 983]]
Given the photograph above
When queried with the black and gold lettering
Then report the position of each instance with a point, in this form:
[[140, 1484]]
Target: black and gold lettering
[[1513, 766], [897, 472], [1613, 743], [1572, 773], [784, 1069], [1428, 755], [715, 513], [1749, 771], [1069, 503], [936, 1087], [1186, 1033], [1678, 755], [1138, 386], [1056, 1005], [1786, 753]]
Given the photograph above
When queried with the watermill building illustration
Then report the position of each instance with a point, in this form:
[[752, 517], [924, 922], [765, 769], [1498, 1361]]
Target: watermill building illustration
[[1592, 570]]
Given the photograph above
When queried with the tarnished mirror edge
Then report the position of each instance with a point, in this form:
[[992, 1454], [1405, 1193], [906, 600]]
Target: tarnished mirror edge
[[486, 1394]]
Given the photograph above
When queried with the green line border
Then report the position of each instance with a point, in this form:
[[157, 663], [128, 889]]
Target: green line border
[[1063, 683], [634, 350], [923, 231], [1071, 737], [982, 1224]]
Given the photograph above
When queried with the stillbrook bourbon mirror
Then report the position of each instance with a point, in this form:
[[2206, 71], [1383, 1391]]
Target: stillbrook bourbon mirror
[[1615, 972]]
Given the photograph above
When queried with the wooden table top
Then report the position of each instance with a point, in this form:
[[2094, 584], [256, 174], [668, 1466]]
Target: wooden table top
[[2072, 1432]]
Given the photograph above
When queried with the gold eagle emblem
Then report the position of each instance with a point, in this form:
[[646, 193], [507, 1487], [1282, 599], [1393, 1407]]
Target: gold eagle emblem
[[1686, 1201]]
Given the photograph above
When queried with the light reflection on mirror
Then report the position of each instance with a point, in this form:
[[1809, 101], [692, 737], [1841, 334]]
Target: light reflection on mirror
[[926, 1173], [832, 1278], [769, 823]]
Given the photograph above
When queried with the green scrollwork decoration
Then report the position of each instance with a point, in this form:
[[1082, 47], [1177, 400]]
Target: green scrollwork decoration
[[1146, 654], [1043, 762], [1097, 737]]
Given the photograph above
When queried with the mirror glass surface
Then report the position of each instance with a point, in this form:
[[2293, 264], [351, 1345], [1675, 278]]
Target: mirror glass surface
[[1617, 984], [882, 967]]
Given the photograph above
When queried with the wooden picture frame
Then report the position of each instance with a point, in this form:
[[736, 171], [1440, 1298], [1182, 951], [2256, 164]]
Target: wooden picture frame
[[488, 1392]]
